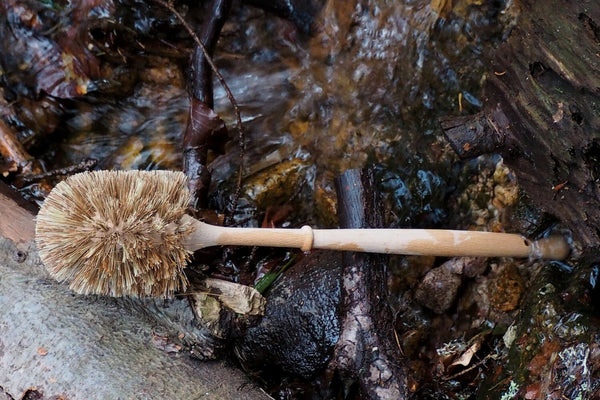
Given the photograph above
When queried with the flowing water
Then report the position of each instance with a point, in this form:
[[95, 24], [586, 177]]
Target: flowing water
[[366, 88]]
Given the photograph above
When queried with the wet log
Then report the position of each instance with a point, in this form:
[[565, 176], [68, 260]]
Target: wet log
[[541, 112], [328, 323], [55, 344], [366, 352]]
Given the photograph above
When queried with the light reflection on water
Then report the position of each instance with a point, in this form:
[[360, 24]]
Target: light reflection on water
[[370, 84]]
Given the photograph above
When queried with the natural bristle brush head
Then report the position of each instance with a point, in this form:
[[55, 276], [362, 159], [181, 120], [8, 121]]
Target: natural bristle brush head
[[117, 233]]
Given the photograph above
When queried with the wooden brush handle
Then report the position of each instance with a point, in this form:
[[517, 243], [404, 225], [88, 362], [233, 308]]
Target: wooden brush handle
[[440, 242], [436, 242]]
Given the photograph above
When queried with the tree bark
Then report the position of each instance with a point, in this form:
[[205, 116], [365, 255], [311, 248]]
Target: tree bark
[[365, 352], [541, 112], [56, 344]]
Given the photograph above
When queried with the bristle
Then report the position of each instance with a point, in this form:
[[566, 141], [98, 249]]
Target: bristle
[[116, 233]]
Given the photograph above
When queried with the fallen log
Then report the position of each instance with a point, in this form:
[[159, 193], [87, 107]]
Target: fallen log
[[55, 344], [541, 112]]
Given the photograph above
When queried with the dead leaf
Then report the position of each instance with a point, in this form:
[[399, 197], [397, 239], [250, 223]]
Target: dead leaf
[[241, 299], [510, 335], [533, 391], [558, 115], [205, 128], [276, 215], [219, 295], [465, 358]]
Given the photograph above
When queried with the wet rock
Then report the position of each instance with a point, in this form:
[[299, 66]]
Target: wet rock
[[438, 289], [301, 325], [554, 346], [278, 183], [506, 191], [468, 266], [506, 195], [506, 289]]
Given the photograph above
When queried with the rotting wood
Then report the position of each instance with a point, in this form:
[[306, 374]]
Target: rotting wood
[[541, 112], [16, 224], [471, 135], [94, 347], [366, 351], [12, 150]]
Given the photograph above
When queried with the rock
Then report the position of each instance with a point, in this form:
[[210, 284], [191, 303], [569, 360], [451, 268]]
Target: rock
[[506, 289], [438, 289], [301, 322]]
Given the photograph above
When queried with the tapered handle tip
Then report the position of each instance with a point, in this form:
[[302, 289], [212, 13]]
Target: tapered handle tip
[[553, 247]]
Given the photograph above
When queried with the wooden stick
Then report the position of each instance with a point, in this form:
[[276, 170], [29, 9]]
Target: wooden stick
[[437, 242], [11, 149]]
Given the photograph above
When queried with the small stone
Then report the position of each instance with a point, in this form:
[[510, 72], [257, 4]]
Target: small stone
[[506, 289], [438, 289], [468, 266], [506, 195]]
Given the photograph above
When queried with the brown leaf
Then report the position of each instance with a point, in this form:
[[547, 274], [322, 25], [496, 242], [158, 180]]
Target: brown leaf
[[467, 355], [205, 128], [275, 215], [241, 299], [165, 344]]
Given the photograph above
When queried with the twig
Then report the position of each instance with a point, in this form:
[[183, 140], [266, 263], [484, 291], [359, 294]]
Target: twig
[[472, 367], [241, 131], [84, 165]]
